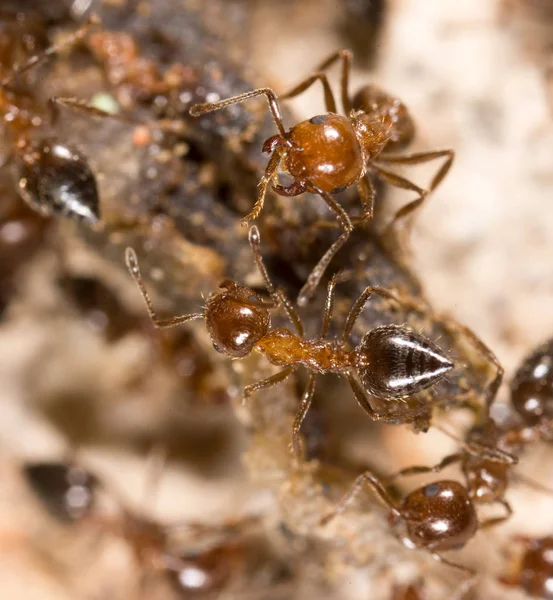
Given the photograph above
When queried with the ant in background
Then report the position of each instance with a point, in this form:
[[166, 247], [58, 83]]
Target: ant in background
[[532, 386], [391, 363], [51, 176], [437, 517], [533, 571], [71, 493], [328, 153]]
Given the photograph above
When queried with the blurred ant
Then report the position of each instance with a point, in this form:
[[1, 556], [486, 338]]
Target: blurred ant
[[437, 517], [532, 386], [52, 177], [413, 591], [70, 494], [533, 571], [329, 153], [391, 363]]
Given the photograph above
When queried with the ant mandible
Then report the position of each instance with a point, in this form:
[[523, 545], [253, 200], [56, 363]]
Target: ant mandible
[[391, 362], [52, 177], [329, 153]]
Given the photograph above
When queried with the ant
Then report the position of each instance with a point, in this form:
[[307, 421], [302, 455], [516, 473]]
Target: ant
[[52, 177], [534, 571], [70, 494], [328, 153], [437, 517], [391, 363], [490, 451], [532, 386]]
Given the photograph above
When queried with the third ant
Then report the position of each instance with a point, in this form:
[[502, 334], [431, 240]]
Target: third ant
[[391, 363], [329, 152]]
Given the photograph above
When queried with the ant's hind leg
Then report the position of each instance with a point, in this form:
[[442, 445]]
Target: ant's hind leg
[[305, 404], [415, 159], [316, 274], [132, 265], [367, 193]]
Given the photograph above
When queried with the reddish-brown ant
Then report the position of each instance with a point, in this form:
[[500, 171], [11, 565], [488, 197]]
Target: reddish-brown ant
[[534, 570], [391, 362], [70, 494], [437, 517], [52, 177], [532, 386], [329, 153]]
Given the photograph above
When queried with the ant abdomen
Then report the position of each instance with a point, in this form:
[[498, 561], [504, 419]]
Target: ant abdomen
[[394, 362], [372, 100], [67, 492], [55, 179], [439, 516], [532, 386], [236, 319]]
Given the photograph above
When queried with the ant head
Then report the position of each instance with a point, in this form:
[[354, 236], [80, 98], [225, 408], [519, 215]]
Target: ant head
[[236, 319], [532, 386], [439, 516], [67, 492], [536, 568], [394, 362], [372, 100], [55, 179]]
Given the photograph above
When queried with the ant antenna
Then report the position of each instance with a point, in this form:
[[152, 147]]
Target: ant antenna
[[54, 49]]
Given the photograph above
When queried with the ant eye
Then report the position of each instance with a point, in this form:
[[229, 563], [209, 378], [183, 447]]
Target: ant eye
[[217, 348], [318, 119]]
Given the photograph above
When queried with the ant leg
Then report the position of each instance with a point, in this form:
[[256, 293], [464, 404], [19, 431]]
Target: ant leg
[[276, 294], [318, 270], [266, 383], [201, 109], [415, 159], [480, 450], [363, 401], [330, 103], [132, 265], [305, 403], [495, 383], [533, 484], [264, 182], [419, 470], [497, 520], [359, 305], [367, 194], [69, 41], [457, 566], [375, 484], [345, 56]]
